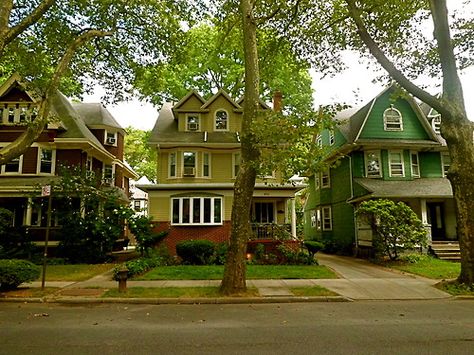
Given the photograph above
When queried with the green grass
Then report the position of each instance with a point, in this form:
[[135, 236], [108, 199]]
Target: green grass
[[456, 289], [76, 272], [312, 291], [215, 272], [172, 292], [28, 292], [429, 267]]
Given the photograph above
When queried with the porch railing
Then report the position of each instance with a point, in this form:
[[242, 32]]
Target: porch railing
[[271, 231]]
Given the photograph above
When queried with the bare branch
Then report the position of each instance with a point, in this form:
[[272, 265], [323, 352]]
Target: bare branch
[[387, 64]]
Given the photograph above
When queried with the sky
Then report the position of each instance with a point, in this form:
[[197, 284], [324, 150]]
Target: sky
[[353, 86]]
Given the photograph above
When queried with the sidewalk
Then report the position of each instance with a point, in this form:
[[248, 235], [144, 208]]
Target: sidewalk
[[360, 280]]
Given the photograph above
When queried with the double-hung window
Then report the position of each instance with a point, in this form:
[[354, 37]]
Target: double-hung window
[[46, 160], [192, 122], [235, 164], [396, 163], [446, 161], [206, 164], [14, 166], [221, 121], [372, 164], [189, 163], [327, 218], [415, 165], [325, 178], [392, 119], [111, 138], [172, 165], [196, 210], [108, 174]]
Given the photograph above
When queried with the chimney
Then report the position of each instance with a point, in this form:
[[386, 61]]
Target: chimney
[[277, 98]]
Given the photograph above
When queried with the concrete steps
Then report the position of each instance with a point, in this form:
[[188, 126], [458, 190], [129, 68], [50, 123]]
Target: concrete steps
[[446, 250]]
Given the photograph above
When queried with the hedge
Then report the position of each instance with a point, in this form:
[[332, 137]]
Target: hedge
[[14, 272]]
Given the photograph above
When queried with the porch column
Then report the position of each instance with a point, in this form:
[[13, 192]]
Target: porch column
[[29, 210], [293, 218], [424, 213]]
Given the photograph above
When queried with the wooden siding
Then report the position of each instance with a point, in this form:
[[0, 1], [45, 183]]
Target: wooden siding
[[30, 161], [430, 164], [374, 126]]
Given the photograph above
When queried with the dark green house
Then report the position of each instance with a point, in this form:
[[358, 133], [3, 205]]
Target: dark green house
[[389, 148]]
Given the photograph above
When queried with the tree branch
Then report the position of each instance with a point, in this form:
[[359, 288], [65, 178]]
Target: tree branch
[[396, 74], [34, 129]]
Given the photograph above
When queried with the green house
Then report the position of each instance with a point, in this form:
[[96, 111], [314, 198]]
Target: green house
[[389, 148]]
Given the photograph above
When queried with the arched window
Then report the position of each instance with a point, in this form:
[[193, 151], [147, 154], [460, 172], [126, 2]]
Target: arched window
[[222, 121], [392, 119]]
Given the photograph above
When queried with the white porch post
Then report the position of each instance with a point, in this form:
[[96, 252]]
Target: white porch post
[[424, 213], [293, 218], [29, 210]]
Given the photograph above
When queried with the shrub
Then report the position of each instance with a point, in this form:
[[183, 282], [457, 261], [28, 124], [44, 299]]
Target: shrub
[[142, 227], [220, 253], [14, 241], [14, 272], [394, 225], [137, 266], [295, 257], [313, 246], [196, 252]]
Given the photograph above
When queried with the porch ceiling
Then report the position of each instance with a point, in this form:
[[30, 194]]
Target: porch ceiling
[[418, 188]]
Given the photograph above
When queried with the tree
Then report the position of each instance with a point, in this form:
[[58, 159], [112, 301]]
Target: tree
[[234, 270], [395, 226], [139, 154], [53, 44]]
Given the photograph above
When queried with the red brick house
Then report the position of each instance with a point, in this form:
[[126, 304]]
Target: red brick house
[[80, 134]]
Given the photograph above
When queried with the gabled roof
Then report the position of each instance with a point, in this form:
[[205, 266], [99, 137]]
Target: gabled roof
[[263, 105], [353, 120], [187, 97], [219, 93], [96, 115], [15, 80]]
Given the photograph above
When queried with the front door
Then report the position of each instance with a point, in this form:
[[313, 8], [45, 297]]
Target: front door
[[436, 219]]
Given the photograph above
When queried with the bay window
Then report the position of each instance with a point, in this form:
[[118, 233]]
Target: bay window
[[196, 210]]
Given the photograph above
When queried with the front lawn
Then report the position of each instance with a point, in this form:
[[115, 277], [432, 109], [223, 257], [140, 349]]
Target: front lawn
[[215, 272], [428, 267], [75, 272], [173, 292]]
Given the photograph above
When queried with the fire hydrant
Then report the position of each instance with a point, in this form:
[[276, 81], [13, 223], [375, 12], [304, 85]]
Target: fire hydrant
[[122, 280]]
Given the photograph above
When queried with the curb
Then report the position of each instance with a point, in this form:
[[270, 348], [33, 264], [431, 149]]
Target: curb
[[184, 301]]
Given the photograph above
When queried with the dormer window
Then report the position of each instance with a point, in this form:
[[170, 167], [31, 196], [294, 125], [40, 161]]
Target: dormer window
[[221, 121], [11, 115], [192, 123], [332, 139], [392, 119], [111, 138]]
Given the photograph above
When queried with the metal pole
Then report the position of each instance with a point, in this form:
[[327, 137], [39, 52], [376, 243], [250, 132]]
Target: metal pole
[[48, 225]]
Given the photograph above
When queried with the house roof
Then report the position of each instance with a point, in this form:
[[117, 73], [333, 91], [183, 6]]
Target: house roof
[[95, 114], [424, 187], [166, 131], [219, 93], [186, 98]]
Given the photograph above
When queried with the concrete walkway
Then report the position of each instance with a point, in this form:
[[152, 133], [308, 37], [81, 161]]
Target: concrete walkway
[[360, 280]]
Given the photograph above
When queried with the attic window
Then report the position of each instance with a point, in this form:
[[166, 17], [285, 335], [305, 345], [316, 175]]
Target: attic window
[[111, 138], [392, 119], [222, 121], [331, 137], [192, 123], [436, 124]]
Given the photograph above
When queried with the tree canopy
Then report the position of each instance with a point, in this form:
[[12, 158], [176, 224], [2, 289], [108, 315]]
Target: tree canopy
[[138, 153]]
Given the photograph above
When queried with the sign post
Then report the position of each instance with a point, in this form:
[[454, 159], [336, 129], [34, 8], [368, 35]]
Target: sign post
[[46, 191]]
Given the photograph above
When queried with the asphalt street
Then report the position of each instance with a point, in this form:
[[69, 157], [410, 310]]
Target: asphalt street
[[365, 327]]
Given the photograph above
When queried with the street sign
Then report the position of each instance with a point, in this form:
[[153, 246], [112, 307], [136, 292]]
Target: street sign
[[46, 190]]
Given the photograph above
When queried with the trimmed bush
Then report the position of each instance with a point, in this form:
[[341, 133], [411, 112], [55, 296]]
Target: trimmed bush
[[14, 272], [313, 246], [137, 266], [196, 252]]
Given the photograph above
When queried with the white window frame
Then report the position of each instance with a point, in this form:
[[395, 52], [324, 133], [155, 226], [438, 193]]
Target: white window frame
[[20, 167], [204, 154], [388, 124], [366, 163], [319, 140], [170, 160], [195, 161], [108, 135], [436, 123], [198, 119], [444, 159], [53, 161], [326, 173], [317, 181], [313, 219], [111, 178], [201, 214], [234, 157], [332, 137], [227, 121], [90, 163], [326, 217], [415, 166], [402, 163]]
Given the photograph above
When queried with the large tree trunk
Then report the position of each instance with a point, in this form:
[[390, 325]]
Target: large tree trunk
[[455, 126], [234, 278]]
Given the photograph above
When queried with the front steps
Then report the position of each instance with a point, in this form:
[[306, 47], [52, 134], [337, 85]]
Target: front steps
[[446, 250]]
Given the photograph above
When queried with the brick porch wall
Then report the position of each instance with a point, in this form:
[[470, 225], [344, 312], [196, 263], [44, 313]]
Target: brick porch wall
[[176, 234]]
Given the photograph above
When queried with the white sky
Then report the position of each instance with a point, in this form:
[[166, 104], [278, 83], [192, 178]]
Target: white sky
[[353, 86]]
